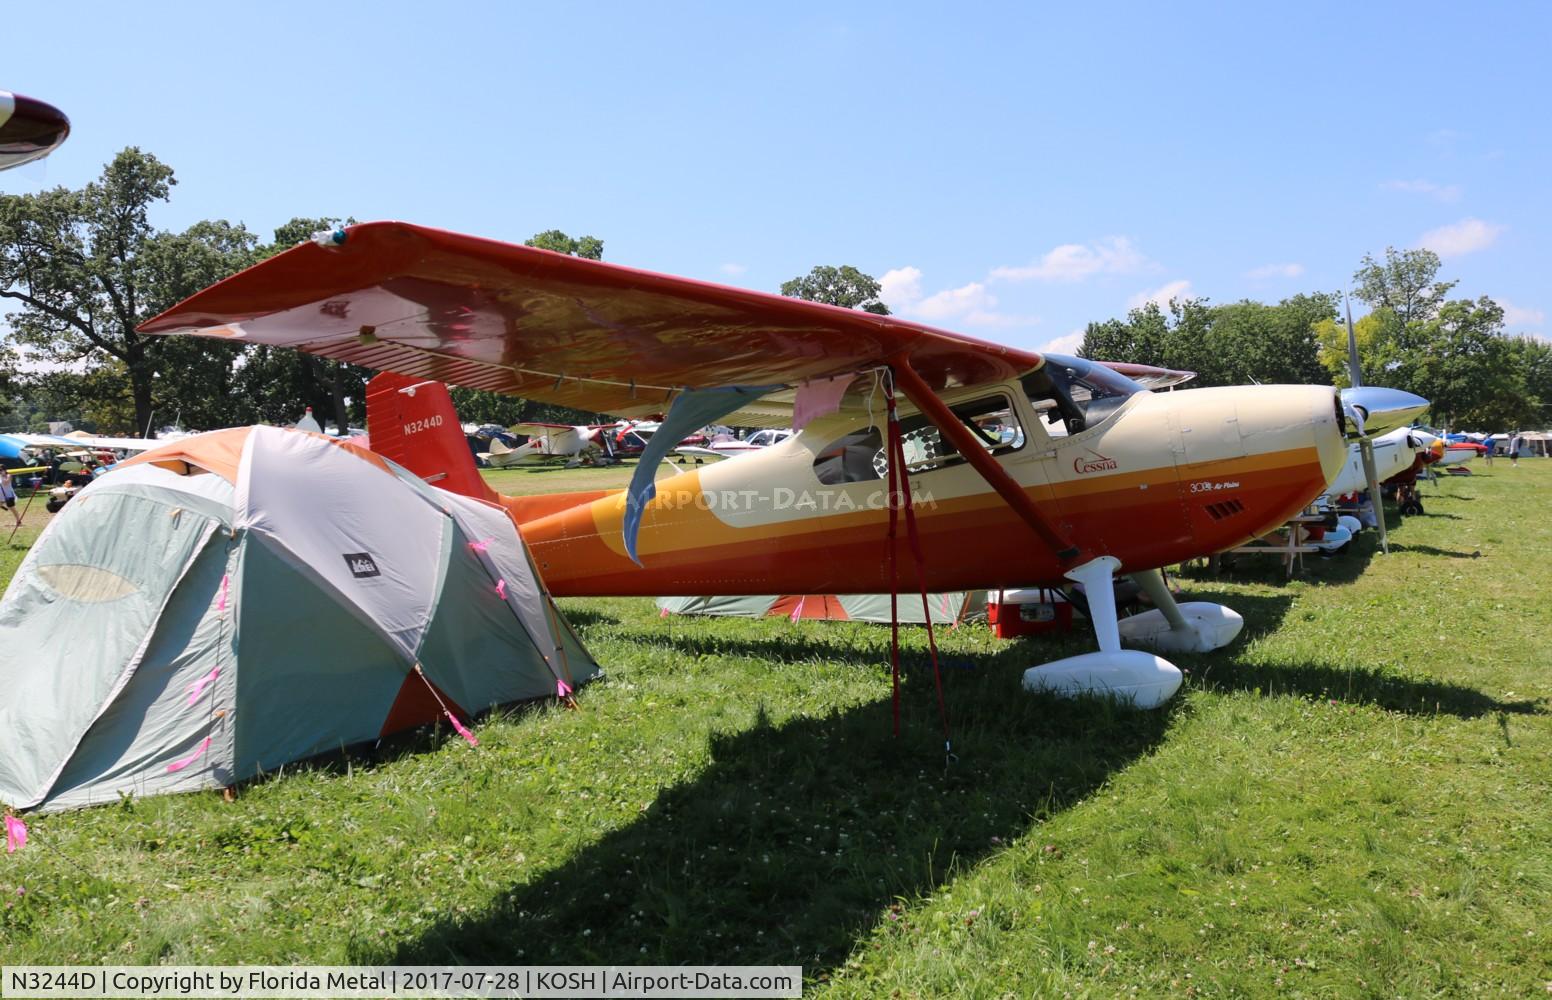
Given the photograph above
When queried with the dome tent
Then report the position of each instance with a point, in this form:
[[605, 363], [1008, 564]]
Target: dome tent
[[227, 603]]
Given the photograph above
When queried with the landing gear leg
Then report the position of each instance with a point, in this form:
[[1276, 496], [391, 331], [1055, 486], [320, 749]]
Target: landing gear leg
[[1128, 675], [1193, 627]]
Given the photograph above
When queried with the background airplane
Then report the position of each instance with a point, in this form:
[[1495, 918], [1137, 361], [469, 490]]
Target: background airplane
[[29, 129]]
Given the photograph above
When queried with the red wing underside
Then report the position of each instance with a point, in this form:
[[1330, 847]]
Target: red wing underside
[[531, 323]]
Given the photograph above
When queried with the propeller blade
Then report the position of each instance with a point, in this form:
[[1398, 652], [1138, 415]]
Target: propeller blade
[[1366, 448], [1352, 346]]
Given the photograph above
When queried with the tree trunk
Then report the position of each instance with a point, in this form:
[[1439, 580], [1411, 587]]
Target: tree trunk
[[140, 375], [340, 416]]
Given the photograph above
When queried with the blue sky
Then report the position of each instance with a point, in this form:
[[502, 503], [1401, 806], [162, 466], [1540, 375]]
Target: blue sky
[[1013, 171]]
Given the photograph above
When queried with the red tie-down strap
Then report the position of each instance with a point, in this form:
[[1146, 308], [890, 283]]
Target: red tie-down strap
[[899, 486]]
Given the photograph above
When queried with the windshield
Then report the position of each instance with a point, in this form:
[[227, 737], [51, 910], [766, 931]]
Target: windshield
[[1072, 394]]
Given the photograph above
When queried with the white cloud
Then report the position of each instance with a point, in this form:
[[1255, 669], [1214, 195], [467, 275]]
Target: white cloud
[[1174, 290], [1441, 192], [900, 288], [732, 270], [952, 302], [1463, 237], [1520, 315], [1066, 344], [1275, 271], [1076, 261], [968, 305]]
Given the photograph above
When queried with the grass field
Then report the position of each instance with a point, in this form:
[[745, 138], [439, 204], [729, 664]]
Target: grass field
[[1354, 799]]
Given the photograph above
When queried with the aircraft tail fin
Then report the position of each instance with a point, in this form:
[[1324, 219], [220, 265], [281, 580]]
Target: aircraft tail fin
[[412, 422]]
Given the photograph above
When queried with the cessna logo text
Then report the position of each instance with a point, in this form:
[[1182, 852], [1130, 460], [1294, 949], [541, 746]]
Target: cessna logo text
[[416, 426], [362, 565], [1093, 462]]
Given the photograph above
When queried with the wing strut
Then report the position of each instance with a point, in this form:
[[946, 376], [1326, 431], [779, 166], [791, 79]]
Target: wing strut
[[918, 392]]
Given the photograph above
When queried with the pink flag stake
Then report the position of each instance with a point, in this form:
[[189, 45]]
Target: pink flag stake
[[15, 835], [462, 731], [562, 689], [222, 605], [179, 765], [198, 687], [501, 589], [480, 546]]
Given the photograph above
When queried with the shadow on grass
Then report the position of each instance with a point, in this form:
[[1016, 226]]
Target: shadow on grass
[[796, 838], [1429, 550], [582, 618], [1362, 686]]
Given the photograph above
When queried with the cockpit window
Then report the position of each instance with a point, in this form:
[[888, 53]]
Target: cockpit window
[[860, 456], [1072, 394]]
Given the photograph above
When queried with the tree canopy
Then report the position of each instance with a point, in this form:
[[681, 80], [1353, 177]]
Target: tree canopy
[[590, 247], [86, 266], [1407, 283], [843, 286], [1233, 344]]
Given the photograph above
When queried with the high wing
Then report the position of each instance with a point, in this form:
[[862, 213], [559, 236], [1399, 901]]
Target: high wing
[[1148, 376], [542, 325]]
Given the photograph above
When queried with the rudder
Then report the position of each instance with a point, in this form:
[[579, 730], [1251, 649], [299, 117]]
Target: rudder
[[412, 422]]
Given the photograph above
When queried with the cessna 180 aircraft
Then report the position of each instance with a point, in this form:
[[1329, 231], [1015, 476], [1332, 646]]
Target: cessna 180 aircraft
[[1024, 469]]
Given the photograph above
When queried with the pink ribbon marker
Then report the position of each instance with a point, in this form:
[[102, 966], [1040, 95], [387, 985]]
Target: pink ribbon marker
[[15, 835], [480, 546], [221, 606], [501, 589], [179, 765], [460, 727], [562, 689], [198, 687]]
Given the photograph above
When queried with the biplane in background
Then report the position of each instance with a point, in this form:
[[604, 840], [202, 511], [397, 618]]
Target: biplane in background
[[1023, 469]]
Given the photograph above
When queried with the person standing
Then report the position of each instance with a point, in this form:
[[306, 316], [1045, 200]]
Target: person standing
[[1514, 449], [1487, 442], [8, 494]]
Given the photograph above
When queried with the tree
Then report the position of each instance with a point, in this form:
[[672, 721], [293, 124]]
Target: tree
[[1459, 360], [86, 267], [843, 286], [1378, 342], [1407, 284], [1234, 344], [590, 247]]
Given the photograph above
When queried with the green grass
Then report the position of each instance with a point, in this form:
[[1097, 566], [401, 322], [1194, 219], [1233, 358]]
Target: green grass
[[1354, 799]]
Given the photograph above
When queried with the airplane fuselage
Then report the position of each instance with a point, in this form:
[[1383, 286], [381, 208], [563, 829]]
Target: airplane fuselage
[[1165, 477]]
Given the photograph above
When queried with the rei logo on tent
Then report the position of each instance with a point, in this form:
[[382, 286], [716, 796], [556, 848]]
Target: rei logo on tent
[[362, 565]]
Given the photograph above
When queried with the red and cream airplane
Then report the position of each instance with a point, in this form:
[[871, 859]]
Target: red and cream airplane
[[1025, 469]]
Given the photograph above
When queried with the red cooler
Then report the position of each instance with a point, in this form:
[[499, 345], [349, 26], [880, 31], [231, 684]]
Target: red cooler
[[1012, 613]]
